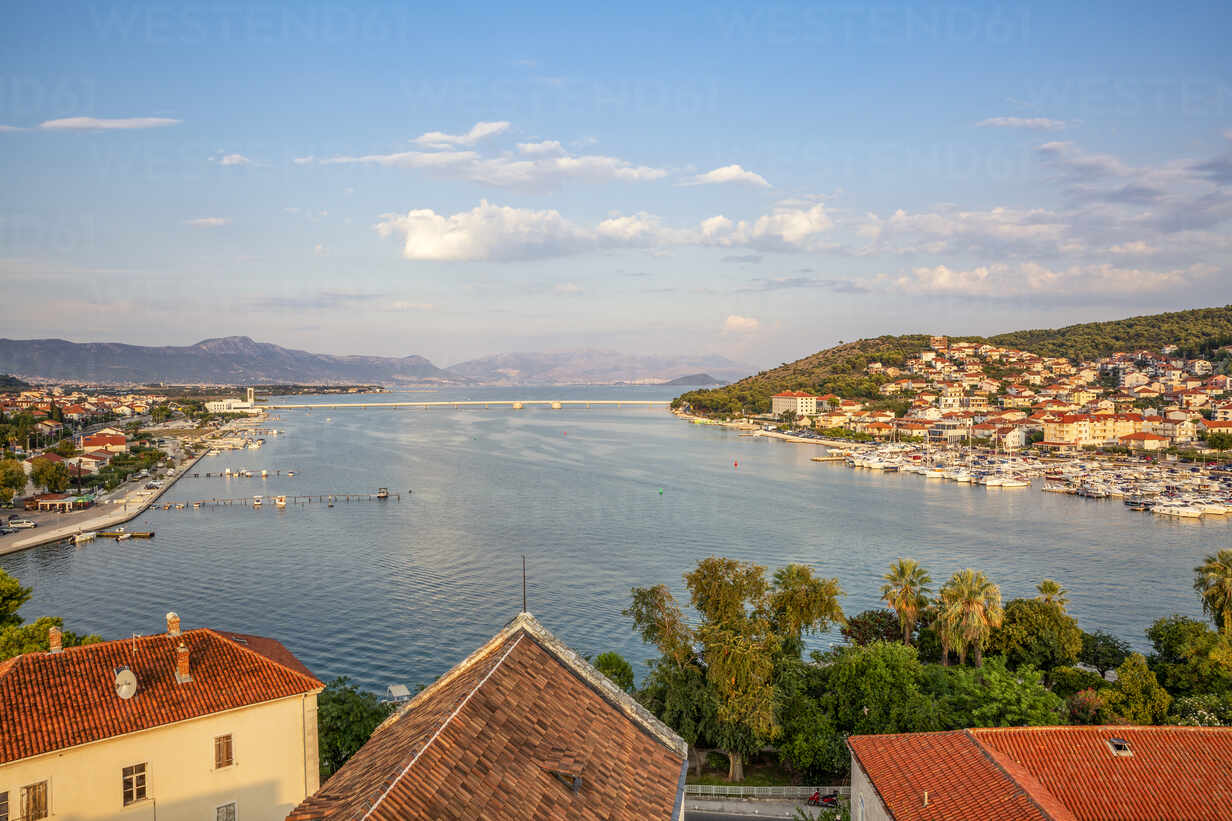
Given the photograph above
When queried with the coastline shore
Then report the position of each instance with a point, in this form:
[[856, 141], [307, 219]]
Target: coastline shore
[[98, 519]]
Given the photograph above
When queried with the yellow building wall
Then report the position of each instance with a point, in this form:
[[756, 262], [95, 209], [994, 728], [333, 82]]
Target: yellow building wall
[[276, 767]]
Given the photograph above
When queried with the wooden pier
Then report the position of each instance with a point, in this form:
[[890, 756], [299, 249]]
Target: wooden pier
[[269, 500]]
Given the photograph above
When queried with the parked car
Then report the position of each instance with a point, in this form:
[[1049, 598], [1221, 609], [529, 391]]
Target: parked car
[[22, 523]]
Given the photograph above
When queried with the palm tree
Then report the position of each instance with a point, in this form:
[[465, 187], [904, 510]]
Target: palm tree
[[971, 607], [906, 591], [1213, 580], [1052, 593]]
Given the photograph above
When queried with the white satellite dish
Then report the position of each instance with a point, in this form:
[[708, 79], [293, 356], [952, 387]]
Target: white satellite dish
[[125, 683]]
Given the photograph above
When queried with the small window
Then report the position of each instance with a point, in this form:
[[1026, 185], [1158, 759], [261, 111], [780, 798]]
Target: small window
[[224, 755], [34, 801], [134, 783], [225, 812], [1119, 746], [4, 806]]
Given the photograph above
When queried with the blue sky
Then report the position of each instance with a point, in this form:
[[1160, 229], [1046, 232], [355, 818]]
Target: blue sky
[[755, 180]]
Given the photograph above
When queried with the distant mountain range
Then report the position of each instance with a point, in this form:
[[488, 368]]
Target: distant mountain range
[[238, 360], [595, 367]]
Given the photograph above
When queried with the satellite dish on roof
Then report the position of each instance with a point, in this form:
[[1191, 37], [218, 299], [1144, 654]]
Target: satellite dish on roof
[[125, 683]]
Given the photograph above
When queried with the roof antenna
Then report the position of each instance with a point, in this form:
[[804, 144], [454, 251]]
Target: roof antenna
[[523, 582]]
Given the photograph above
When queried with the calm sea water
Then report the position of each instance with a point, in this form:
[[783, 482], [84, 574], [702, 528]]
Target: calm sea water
[[598, 500]]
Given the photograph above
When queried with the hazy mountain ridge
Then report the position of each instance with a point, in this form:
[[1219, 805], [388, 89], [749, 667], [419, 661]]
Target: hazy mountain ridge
[[239, 360], [226, 360], [592, 366]]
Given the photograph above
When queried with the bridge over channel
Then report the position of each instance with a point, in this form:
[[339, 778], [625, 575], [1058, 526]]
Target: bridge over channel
[[516, 404]]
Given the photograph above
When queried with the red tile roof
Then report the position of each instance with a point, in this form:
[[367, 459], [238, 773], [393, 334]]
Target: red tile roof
[[488, 739], [52, 701], [1060, 773]]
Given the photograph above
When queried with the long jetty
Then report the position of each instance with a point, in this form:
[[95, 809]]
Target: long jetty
[[298, 499], [516, 404]]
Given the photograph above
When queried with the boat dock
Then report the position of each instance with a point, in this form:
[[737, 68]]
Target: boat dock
[[328, 499]]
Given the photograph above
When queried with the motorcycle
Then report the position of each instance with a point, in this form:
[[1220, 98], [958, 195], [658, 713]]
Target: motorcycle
[[827, 800]]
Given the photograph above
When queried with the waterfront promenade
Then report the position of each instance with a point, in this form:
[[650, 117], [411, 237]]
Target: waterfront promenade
[[97, 518]]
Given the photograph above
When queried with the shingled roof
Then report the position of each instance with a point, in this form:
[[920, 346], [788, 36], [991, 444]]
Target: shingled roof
[[523, 728], [1057, 773], [52, 701]]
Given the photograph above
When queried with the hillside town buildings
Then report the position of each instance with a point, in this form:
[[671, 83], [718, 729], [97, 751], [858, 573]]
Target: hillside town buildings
[[967, 393]]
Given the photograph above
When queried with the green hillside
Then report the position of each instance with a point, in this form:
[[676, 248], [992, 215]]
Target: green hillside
[[1197, 332], [840, 370]]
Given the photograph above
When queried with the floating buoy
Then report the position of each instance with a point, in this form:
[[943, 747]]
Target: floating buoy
[[660, 491], [735, 464]]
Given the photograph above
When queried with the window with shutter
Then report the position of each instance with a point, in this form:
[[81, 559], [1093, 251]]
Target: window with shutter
[[225, 812], [34, 801], [224, 754]]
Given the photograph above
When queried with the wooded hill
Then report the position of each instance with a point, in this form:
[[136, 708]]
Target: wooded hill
[[840, 370]]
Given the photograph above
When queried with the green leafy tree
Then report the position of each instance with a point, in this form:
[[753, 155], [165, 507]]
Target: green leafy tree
[[1000, 697], [970, 609], [616, 668], [346, 717], [876, 689], [51, 475], [1103, 651], [1052, 593], [1206, 710], [1066, 681], [812, 744], [1137, 696], [12, 479], [906, 592], [160, 413], [16, 639], [1038, 633], [12, 597], [872, 625], [679, 697], [1189, 657], [1089, 706], [747, 624], [1213, 582]]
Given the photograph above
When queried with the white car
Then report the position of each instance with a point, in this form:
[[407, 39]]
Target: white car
[[22, 523]]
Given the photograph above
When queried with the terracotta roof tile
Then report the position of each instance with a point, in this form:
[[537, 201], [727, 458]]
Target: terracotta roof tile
[[501, 736], [51, 701], [1059, 773]]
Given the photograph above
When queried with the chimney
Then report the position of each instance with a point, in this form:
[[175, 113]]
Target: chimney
[[182, 675], [53, 639], [173, 624]]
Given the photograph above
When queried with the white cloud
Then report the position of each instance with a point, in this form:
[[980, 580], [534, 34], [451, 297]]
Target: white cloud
[[94, 123], [1034, 279], [487, 232], [481, 130], [403, 305], [234, 159], [1030, 123], [507, 171], [568, 288], [304, 160], [4, 128], [728, 173], [1082, 164], [492, 232], [735, 324], [207, 222], [541, 148]]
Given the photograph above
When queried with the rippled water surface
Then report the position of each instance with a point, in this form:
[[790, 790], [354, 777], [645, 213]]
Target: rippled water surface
[[599, 500]]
